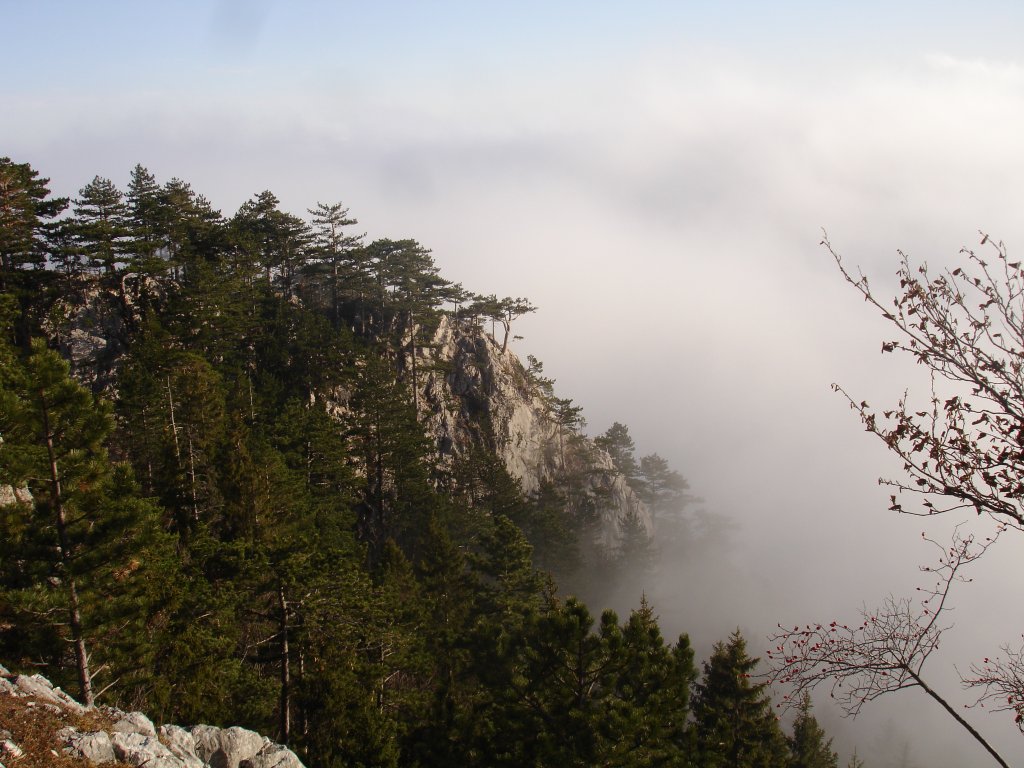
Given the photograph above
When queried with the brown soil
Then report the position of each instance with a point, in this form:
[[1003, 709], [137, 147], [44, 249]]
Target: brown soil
[[34, 726]]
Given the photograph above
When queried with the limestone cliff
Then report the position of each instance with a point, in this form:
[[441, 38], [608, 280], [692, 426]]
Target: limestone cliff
[[471, 393]]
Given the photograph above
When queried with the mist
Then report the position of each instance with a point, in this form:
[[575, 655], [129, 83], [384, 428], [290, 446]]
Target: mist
[[658, 183]]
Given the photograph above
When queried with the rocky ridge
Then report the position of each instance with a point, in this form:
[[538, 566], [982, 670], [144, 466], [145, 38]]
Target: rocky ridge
[[475, 394], [471, 392], [41, 725]]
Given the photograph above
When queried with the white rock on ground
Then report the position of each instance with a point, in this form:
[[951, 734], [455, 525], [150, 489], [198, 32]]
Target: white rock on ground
[[226, 747], [135, 722], [94, 746], [143, 751], [43, 690], [182, 745], [272, 756]]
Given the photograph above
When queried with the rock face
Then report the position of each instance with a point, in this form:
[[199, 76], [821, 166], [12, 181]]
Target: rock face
[[131, 737], [473, 394], [91, 326]]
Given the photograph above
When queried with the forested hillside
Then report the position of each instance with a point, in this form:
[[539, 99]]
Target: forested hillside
[[260, 471]]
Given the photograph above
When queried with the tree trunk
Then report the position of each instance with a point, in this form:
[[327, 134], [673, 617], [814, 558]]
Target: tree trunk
[[286, 672], [956, 716], [192, 479], [74, 613], [415, 383], [174, 426]]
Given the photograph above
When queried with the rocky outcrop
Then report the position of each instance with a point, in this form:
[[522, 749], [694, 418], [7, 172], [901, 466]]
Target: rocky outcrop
[[474, 394], [91, 325], [130, 738]]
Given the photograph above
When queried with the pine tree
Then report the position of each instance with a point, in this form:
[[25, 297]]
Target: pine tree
[[619, 445], [190, 229], [100, 225], [735, 724], [145, 219], [27, 240], [24, 203], [69, 554], [648, 722], [332, 254], [268, 239], [809, 745]]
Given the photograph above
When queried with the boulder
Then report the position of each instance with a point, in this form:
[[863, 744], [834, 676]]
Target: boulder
[[93, 746], [143, 751], [41, 689], [135, 722], [182, 745], [273, 756], [226, 747]]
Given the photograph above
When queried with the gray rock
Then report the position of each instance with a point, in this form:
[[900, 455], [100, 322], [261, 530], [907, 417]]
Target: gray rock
[[84, 347], [93, 746], [135, 722], [10, 495], [182, 745], [139, 750], [226, 747], [473, 382], [41, 689], [273, 756]]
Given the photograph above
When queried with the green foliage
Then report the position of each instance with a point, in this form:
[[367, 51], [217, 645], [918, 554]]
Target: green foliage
[[100, 226], [81, 549], [24, 203], [809, 745], [733, 716], [292, 556], [619, 445]]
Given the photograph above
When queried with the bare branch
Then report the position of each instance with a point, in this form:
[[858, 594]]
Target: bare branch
[[886, 651]]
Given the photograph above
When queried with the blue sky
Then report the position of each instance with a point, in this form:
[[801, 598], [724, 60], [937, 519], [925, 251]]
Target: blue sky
[[655, 176]]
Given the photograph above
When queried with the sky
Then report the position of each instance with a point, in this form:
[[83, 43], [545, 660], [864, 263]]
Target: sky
[[656, 177]]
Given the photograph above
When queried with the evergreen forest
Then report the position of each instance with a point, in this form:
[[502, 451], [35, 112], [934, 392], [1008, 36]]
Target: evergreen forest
[[220, 503]]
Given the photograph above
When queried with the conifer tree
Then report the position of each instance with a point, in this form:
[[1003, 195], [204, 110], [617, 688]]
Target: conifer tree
[[269, 240], [333, 254], [100, 225], [619, 445], [70, 552], [27, 240], [735, 724], [24, 204], [397, 497], [145, 219], [650, 708], [809, 745], [190, 229]]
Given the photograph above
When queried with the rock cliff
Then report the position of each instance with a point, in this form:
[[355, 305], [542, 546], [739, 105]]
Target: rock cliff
[[40, 725], [474, 394]]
